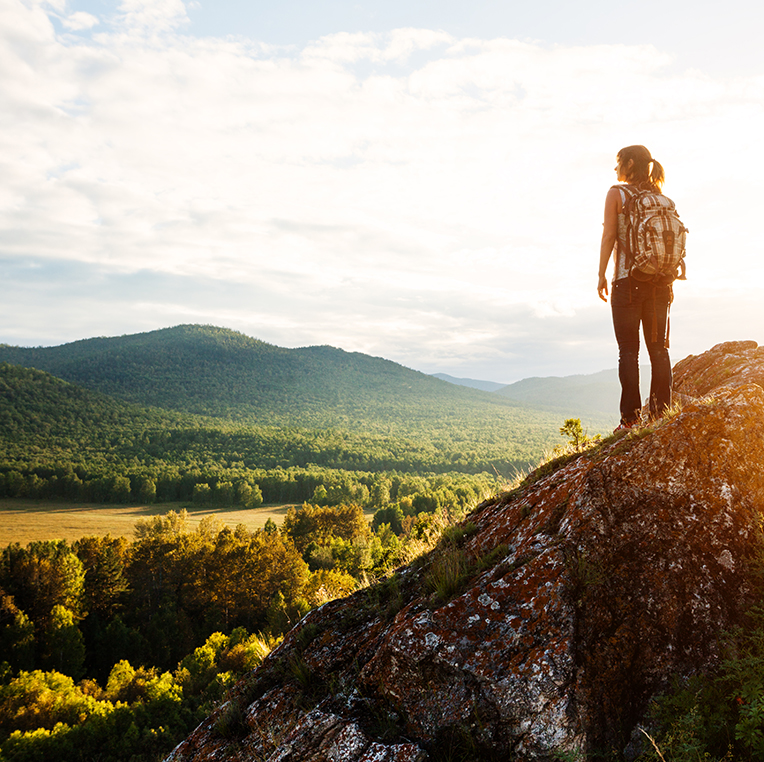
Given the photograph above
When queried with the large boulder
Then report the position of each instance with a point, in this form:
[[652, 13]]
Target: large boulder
[[543, 625]]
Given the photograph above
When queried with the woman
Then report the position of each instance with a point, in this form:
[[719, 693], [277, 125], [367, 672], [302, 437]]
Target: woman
[[634, 301]]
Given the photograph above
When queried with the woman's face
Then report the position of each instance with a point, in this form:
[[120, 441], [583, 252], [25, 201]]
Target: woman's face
[[623, 169]]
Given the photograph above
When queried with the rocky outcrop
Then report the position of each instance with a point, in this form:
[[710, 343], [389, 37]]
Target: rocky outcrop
[[543, 625], [730, 364]]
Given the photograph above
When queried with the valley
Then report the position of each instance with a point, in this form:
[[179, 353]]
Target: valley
[[172, 503]]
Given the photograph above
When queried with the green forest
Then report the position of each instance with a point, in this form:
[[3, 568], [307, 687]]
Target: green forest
[[60, 441], [45, 421], [219, 373], [114, 648]]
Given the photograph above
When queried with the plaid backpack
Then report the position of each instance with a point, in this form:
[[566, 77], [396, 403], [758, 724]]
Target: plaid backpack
[[655, 236]]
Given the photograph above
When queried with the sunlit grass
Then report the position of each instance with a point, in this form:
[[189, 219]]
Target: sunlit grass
[[25, 521]]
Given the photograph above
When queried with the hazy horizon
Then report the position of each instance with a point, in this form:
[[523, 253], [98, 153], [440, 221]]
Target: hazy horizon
[[421, 182]]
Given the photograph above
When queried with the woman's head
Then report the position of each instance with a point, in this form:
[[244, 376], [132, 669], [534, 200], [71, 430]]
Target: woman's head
[[637, 167]]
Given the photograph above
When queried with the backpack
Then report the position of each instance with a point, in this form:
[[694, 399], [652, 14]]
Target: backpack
[[655, 236]]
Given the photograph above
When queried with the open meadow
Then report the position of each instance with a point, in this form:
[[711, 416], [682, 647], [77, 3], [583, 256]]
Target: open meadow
[[24, 521]]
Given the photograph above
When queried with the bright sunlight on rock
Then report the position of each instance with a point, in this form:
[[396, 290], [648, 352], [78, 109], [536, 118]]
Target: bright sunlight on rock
[[541, 627]]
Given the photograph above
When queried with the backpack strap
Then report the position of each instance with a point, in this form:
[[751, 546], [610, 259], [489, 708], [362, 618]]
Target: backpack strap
[[628, 194], [625, 188]]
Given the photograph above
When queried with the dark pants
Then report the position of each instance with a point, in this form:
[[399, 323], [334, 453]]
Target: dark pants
[[633, 303]]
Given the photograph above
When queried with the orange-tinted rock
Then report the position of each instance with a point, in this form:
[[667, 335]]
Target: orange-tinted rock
[[728, 364], [590, 586]]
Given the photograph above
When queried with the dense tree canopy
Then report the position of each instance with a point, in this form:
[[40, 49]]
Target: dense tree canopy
[[108, 636]]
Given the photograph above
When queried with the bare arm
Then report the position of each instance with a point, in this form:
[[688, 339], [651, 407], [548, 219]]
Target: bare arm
[[609, 235]]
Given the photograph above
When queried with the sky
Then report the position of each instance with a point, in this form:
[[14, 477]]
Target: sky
[[422, 181]]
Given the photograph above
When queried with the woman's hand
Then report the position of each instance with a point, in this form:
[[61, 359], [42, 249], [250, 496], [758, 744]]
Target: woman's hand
[[602, 291]]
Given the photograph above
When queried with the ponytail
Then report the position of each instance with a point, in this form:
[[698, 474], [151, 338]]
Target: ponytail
[[657, 175]]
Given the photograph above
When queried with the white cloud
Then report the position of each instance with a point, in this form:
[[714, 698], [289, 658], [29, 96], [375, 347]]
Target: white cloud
[[153, 16], [408, 194], [395, 46], [79, 20]]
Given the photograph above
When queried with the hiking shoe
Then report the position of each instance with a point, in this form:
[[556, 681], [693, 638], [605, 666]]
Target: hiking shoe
[[625, 426]]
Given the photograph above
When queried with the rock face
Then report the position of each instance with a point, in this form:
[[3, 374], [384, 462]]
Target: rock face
[[543, 625], [730, 364]]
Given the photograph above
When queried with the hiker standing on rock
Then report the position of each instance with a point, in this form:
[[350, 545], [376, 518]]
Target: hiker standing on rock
[[646, 238]]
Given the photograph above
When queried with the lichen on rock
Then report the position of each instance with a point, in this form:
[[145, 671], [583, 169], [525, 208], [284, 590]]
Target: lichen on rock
[[583, 591]]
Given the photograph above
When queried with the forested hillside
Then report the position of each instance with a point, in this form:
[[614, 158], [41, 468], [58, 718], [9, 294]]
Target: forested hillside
[[58, 440], [217, 372]]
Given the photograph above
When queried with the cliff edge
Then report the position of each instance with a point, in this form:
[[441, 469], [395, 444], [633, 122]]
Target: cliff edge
[[542, 625]]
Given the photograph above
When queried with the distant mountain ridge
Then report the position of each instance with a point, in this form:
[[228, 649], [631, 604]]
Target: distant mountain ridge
[[577, 395], [211, 371], [485, 386], [592, 394]]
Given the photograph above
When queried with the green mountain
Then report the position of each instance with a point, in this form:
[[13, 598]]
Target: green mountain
[[35, 404], [200, 394], [215, 371], [58, 440], [212, 371]]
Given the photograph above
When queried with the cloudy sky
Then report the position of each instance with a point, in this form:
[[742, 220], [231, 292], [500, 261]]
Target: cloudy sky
[[421, 180]]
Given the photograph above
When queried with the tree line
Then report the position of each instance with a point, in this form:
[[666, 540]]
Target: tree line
[[237, 486]]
